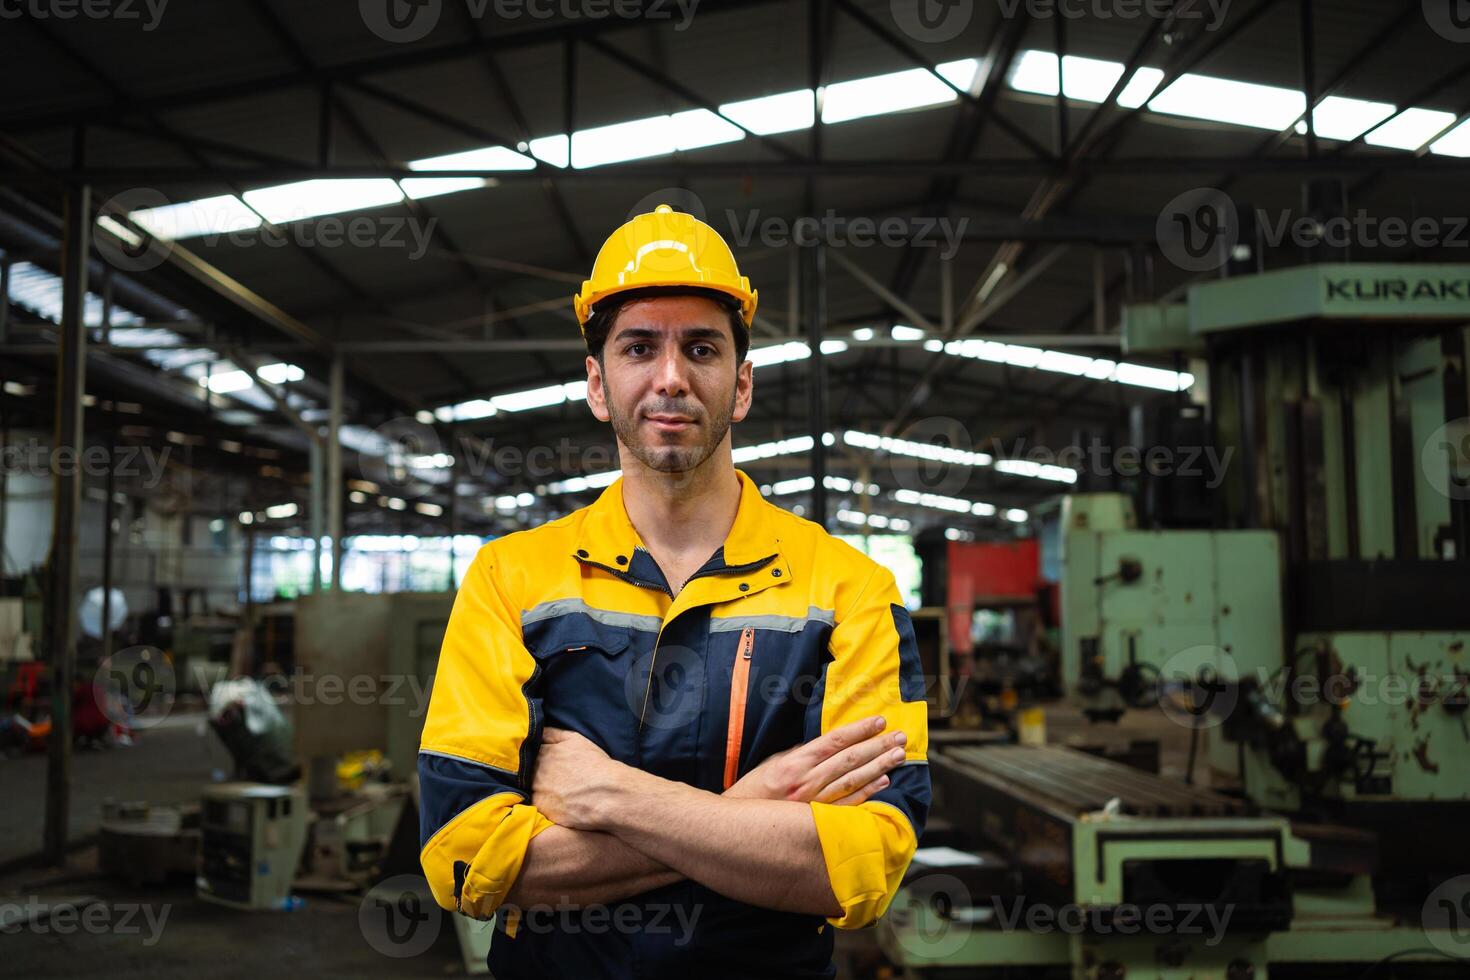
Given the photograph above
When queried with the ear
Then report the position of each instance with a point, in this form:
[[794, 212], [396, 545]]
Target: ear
[[744, 387], [596, 397]]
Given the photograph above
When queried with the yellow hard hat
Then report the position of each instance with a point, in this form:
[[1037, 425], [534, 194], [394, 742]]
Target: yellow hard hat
[[664, 248]]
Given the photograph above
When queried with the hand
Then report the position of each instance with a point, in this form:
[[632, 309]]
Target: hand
[[574, 779], [845, 766]]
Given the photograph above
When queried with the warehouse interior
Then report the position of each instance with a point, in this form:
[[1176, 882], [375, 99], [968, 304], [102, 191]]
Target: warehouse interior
[[1129, 335]]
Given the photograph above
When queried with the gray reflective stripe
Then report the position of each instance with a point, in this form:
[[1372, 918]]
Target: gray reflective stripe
[[913, 762], [783, 624], [607, 617]]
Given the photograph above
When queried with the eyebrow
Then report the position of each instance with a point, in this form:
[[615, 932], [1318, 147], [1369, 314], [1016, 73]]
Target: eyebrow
[[688, 333]]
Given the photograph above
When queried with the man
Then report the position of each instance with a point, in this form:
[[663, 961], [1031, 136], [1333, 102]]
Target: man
[[680, 732]]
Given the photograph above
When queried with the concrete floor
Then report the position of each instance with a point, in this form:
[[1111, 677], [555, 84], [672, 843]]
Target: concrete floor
[[168, 763]]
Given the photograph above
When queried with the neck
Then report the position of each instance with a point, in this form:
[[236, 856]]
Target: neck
[[688, 511]]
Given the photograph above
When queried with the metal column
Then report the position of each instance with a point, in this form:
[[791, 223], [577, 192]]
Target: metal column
[[65, 523], [814, 301], [314, 519], [334, 470]]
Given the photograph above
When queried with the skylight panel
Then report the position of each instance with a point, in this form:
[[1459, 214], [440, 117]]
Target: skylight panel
[[1345, 119], [483, 158], [622, 141], [221, 215], [549, 149], [961, 74], [1410, 129], [881, 94], [769, 114], [1084, 79], [1140, 87], [1226, 100], [699, 127], [520, 401], [313, 198], [1455, 143], [40, 291], [419, 188]]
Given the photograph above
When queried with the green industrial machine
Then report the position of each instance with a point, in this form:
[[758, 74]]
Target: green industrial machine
[[1306, 621]]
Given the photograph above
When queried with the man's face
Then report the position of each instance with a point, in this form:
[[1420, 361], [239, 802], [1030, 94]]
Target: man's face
[[668, 381]]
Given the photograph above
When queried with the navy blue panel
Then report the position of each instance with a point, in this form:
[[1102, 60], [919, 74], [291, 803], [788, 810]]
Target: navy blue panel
[[546, 638], [645, 569], [586, 679], [908, 789], [910, 671], [448, 787]]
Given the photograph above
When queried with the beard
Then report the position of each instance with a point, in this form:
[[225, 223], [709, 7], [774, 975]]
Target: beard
[[674, 453]]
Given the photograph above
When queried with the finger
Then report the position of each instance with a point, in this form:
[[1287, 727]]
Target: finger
[[863, 795], [859, 755], [828, 744], [852, 780]]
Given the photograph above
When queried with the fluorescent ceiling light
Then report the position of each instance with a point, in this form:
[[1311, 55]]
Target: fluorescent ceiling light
[[278, 374], [427, 508], [521, 401], [226, 382], [281, 510], [918, 450], [902, 332], [221, 215], [769, 114], [1084, 79], [1018, 515], [1229, 101], [312, 198], [1140, 87], [1036, 471], [881, 94], [1060, 362], [1455, 143], [1410, 129]]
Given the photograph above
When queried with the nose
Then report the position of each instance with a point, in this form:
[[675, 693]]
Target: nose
[[672, 378]]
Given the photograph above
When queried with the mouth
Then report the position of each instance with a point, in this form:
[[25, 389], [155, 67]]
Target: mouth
[[670, 423]]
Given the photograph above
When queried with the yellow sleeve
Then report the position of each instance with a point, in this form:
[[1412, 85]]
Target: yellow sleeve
[[875, 671], [474, 777]]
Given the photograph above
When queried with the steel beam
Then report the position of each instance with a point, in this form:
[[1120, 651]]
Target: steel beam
[[334, 469]]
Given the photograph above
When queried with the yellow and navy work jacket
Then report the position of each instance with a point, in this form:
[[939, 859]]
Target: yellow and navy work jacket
[[785, 633]]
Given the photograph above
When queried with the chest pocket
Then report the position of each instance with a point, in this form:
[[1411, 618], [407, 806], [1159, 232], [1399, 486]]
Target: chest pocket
[[584, 678]]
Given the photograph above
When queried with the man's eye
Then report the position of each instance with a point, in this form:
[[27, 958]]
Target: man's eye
[[636, 350], [702, 350]]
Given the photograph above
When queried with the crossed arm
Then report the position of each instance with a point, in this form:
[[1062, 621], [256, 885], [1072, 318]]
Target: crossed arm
[[621, 831]]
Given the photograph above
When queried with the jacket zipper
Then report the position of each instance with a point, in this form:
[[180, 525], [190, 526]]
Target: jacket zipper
[[739, 684]]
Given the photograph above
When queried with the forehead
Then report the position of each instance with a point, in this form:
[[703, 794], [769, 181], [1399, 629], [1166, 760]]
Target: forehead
[[673, 316]]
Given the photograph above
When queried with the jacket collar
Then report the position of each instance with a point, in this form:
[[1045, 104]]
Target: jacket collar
[[608, 537]]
